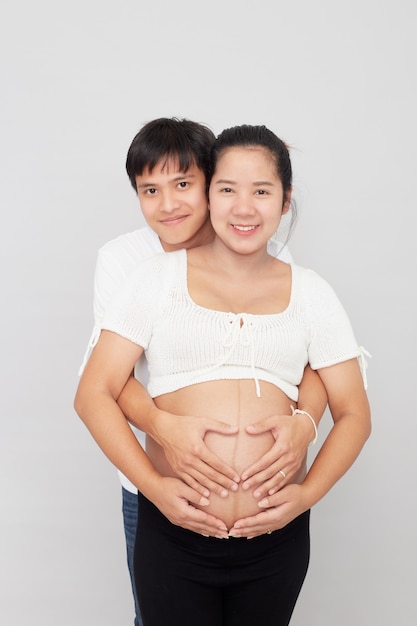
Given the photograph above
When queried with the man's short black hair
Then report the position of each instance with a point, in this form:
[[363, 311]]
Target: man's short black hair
[[164, 139]]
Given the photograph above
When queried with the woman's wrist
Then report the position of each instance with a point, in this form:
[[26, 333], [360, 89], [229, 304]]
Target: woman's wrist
[[313, 423]]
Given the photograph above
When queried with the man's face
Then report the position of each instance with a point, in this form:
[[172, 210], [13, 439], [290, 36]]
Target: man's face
[[174, 204]]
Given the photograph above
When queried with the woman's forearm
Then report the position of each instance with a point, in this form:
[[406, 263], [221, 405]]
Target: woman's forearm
[[337, 454], [350, 410], [312, 396]]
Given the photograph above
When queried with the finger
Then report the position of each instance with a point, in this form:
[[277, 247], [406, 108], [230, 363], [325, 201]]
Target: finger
[[252, 526], [273, 501], [202, 523], [217, 470], [263, 469], [204, 485], [218, 426], [191, 498], [269, 487], [199, 494], [213, 473], [214, 527], [260, 427]]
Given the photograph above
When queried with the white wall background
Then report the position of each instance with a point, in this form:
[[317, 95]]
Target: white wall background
[[335, 79]]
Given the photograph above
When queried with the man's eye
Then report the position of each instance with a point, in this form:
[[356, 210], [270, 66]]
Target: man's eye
[[151, 191], [183, 184]]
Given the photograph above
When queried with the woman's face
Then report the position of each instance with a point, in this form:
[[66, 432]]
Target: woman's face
[[246, 198]]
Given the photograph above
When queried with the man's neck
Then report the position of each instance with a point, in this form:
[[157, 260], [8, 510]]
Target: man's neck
[[203, 236]]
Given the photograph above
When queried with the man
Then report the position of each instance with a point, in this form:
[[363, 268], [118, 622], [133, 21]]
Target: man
[[168, 164]]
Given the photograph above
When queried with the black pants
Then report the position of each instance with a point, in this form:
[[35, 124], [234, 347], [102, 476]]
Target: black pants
[[185, 579]]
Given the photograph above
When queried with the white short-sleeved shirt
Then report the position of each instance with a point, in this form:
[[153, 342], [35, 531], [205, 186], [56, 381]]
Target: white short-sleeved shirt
[[115, 262], [187, 344]]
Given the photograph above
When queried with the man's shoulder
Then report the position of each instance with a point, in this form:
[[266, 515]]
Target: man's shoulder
[[136, 246], [120, 256]]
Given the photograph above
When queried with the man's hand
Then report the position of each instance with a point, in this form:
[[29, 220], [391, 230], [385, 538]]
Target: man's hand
[[182, 438], [175, 500], [292, 434], [278, 511]]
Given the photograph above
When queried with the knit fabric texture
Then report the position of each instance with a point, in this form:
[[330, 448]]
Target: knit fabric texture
[[187, 344]]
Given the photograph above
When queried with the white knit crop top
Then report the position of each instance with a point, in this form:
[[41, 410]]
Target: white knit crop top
[[187, 344]]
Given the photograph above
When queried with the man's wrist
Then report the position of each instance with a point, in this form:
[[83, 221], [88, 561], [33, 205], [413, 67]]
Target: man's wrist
[[155, 419]]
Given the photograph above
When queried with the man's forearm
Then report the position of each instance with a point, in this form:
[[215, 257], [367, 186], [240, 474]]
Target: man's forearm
[[138, 406]]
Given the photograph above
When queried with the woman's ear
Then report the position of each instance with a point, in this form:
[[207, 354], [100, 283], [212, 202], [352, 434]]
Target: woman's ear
[[287, 201]]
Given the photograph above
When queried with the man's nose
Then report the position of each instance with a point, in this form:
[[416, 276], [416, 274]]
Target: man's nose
[[169, 201]]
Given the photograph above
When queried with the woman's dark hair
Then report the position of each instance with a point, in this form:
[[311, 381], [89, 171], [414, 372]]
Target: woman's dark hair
[[255, 136], [182, 140], [247, 136]]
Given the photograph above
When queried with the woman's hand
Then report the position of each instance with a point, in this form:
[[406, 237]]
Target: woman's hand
[[175, 500], [278, 511], [276, 468], [182, 438], [352, 426]]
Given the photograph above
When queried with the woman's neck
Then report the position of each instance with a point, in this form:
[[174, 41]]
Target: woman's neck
[[223, 259]]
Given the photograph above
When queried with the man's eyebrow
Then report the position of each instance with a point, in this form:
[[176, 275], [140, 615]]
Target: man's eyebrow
[[143, 185]]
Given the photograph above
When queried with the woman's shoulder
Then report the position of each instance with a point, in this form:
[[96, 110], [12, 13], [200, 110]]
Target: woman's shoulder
[[309, 283], [306, 274]]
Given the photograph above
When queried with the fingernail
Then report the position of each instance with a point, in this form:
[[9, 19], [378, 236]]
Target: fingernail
[[224, 493], [234, 487], [204, 501], [263, 502]]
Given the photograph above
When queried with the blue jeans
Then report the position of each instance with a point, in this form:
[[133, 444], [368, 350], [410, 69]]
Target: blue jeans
[[130, 520]]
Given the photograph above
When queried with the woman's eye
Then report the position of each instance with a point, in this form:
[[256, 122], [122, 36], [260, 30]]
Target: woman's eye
[[226, 189]]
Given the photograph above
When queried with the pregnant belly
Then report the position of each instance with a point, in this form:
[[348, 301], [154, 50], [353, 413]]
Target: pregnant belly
[[239, 451], [236, 403]]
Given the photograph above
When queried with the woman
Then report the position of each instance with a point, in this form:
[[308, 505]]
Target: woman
[[228, 330]]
